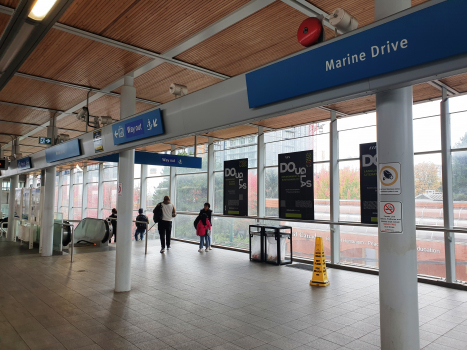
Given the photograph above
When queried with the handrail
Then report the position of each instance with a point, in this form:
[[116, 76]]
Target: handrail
[[328, 222], [1, 227], [72, 236], [138, 222]]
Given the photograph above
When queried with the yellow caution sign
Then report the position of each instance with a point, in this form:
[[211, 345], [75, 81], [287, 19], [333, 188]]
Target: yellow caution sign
[[320, 276]]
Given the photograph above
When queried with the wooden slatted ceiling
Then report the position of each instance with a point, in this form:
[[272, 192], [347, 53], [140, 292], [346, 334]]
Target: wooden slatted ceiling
[[110, 106], [10, 3], [37, 93], [457, 82], [23, 115], [297, 118], [236, 131], [423, 92], [43, 133], [362, 10], [15, 129], [4, 19], [154, 85], [189, 141], [261, 38], [73, 59], [153, 25], [154, 148]]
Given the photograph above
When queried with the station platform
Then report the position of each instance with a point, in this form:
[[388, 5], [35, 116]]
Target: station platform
[[212, 300]]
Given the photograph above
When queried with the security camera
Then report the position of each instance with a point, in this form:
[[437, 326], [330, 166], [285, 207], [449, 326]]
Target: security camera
[[83, 114], [343, 21], [105, 121], [62, 138], [178, 90]]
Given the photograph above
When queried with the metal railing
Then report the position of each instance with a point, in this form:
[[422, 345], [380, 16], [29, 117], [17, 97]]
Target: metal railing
[[138, 222], [72, 232]]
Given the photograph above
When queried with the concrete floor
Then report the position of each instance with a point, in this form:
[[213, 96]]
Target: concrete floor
[[189, 300]]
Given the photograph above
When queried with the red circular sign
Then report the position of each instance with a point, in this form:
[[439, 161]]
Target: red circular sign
[[389, 208]]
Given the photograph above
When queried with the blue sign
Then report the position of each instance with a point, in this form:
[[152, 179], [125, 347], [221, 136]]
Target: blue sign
[[139, 127], [63, 151], [428, 35], [149, 158], [23, 163]]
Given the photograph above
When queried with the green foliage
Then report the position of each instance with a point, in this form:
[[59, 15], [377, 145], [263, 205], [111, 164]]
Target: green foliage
[[349, 180], [459, 171]]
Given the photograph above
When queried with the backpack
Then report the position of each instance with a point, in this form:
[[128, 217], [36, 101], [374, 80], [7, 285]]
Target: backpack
[[139, 224], [157, 213], [195, 223]]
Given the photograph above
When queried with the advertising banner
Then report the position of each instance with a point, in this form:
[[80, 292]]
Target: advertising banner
[[296, 195], [236, 187], [97, 139], [369, 183]]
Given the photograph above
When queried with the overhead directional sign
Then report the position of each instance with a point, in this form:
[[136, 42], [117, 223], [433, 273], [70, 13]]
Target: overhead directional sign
[[417, 38], [45, 141], [64, 150], [23, 163], [140, 127], [150, 158]]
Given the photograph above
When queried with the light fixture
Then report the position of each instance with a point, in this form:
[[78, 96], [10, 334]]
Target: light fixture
[[40, 9], [78, 167]]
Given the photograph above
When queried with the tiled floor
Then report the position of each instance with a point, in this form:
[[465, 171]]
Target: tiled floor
[[215, 300]]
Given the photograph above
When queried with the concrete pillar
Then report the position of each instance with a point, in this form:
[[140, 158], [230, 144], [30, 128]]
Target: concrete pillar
[[48, 212], [334, 189], [260, 179], [448, 214], [125, 200], [10, 236]]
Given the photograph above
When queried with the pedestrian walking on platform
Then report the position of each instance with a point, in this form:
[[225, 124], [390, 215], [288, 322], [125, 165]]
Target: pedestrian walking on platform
[[202, 227], [140, 226], [207, 210], [164, 213], [114, 225]]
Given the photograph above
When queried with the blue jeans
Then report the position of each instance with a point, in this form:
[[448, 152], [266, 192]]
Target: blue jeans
[[208, 241], [139, 232], [202, 240]]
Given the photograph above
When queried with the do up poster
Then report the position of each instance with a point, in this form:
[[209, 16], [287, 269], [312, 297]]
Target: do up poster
[[296, 197], [369, 183], [236, 187]]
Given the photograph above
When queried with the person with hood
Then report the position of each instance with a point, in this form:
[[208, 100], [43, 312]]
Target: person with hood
[[164, 213], [114, 225], [201, 230], [140, 226], [207, 210]]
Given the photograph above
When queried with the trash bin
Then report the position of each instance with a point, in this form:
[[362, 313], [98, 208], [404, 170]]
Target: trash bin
[[268, 243]]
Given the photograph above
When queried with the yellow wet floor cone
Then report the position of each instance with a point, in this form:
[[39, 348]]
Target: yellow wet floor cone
[[320, 276]]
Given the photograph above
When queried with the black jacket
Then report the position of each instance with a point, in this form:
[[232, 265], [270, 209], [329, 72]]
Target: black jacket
[[208, 214], [114, 223]]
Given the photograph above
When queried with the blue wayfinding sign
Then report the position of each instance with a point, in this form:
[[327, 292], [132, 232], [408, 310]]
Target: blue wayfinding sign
[[63, 151], [421, 37], [149, 158], [23, 163], [139, 127]]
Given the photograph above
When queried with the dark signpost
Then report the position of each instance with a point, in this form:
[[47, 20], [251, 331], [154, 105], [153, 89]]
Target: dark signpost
[[236, 187], [369, 183]]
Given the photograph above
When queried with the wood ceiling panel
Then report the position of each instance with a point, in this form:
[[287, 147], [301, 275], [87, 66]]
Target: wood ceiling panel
[[24, 115], [457, 82], [43, 132], [357, 105], [154, 85], [37, 93], [236, 131], [73, 59], [70, 122], [189, 141], [155, 148], [362, 10], [15, 129], [4, 19], [261, 38], [425, 91], [10, 3], [110, 106], [153, 25], [297, 118]]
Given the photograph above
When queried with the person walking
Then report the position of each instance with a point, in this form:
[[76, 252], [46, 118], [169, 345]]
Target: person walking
[[164, 213], [114, 225], [207, 210], [141, 227], [201, 230]]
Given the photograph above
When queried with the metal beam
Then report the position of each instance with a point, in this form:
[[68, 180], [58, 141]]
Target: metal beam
[[29, 106], [440, 86], [333, 110], [81, 87]]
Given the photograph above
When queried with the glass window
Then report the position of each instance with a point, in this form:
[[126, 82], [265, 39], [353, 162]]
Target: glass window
[[430, 253], [191, 192], [155, 170], [157, 188], [204, 165], [349, 190], [427, 134], [459, 130], [77, 196], [111, 171], [459, 190], [78, 176], [359, 245], [136, 195], [358, 121], [461, 255], [137, 171], [110, 194], [425, 109], [350, 140]]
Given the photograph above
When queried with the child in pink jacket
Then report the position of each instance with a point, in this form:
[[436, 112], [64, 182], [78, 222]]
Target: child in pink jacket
[[201, 228]]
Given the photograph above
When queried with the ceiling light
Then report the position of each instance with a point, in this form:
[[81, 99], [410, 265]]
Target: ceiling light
[[41, 9], [78, 167]]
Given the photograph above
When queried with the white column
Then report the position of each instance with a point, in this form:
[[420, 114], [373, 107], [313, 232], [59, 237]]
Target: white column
[[48, 212], [260, 180], [70, 193], [84, 201], [125, 200], [11, 208], [334, 189], [60, 184], [173, 183], [449, 239], [34, 181], [143, 202], [211, 172], [100, 192]]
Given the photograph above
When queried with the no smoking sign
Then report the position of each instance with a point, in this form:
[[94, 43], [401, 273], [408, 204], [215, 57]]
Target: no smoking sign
[[390, 219]]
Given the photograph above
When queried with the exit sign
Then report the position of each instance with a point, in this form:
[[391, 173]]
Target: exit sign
[[45, 141]]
